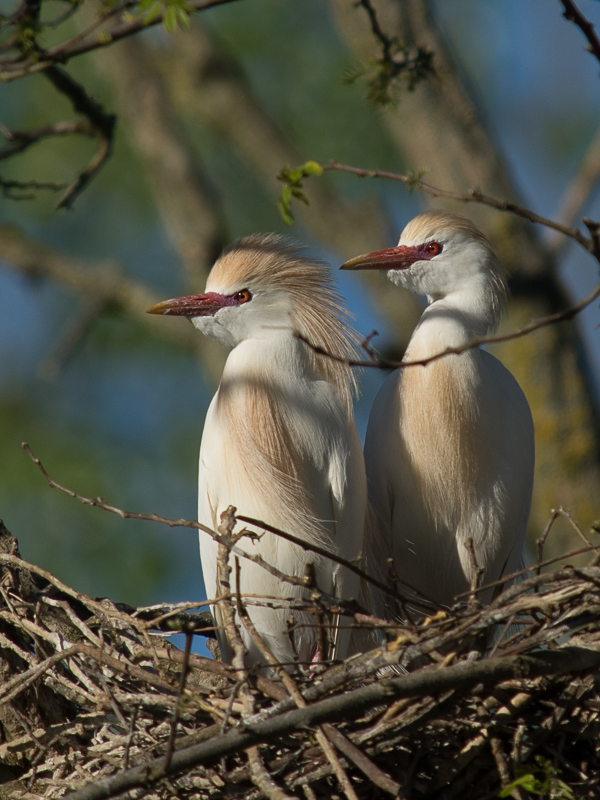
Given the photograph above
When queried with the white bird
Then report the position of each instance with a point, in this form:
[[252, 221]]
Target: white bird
[[279, 442], [449, 449]]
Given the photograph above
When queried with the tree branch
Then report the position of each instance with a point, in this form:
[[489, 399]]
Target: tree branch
[[98, 502], [534, 325], [574, 15], [342, 707], [15, 68], [472, 196], [21, 140], [9, 188], [102, 124]]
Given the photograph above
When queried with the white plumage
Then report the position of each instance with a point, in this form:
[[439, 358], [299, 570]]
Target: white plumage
[[279, 441], [449, 448]]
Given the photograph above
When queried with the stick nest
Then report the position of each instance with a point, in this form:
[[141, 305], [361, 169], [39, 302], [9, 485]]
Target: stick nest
[[91, 690]]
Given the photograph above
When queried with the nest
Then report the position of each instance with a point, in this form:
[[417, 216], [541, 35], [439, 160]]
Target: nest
[[95, 702]]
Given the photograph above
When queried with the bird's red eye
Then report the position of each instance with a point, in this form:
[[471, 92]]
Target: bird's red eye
[[433, 248], [243, 297]]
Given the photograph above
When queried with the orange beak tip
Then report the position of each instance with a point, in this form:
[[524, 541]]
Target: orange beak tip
[[353, 263], [156, 309]]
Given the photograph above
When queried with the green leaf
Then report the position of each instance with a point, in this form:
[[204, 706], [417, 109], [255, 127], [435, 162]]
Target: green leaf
[[414, 176], [170, 19], [286, 194], [286, 212], [299, 194], [155, 11], [183, 18], [294, 175], [528, 782], [311, 168]]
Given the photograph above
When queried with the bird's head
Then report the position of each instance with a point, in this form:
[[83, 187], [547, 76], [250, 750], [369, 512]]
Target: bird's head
[[265, 286], [438, 254], [257, 285]]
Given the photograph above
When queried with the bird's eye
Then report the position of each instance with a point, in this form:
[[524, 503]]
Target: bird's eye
[[433, 248], [243, 297]]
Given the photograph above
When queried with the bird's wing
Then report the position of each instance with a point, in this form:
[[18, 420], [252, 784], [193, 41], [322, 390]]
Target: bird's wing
[[348, 502], [209, 515], [382, 442]]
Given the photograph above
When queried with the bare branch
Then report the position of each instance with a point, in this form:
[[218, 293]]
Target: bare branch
[[362, 761], [12, 189], [573, 14], [476, 571], [472, 196], [98, 502], [413, 63], [378, 32], [313, 548], [102, 124], [184, 672], [534, 325], [21, 140]]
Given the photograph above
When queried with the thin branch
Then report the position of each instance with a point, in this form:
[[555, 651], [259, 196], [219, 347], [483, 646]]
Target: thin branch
[[176, 711], [102, 124], [9, 187], [98, 502], [294, 692], [21, 140], [476, 572], [362, 761], [398, 60], [18, 68], [386, 42], [313, 548], [527, 570], [20, 682], [534, 325], [129, 742], [472, 196], [262, 779], [554, 515], [574, 15]]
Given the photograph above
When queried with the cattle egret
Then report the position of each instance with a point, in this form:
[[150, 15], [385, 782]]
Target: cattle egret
[[449, 448], [279, 442]]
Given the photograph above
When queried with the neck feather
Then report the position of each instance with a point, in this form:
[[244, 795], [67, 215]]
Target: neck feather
[[459, 317], [264, 404]]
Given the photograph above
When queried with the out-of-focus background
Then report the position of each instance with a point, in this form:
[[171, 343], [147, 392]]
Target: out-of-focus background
[[113, 402]]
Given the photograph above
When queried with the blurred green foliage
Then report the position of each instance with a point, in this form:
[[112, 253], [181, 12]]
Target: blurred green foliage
[[175, 13]]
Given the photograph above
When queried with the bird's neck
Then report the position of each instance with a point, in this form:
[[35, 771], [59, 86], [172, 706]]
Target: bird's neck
[[277, 360], [454, 320]]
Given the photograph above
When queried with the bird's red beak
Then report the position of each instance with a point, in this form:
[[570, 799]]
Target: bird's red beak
[[400, 257], [194, 305]]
